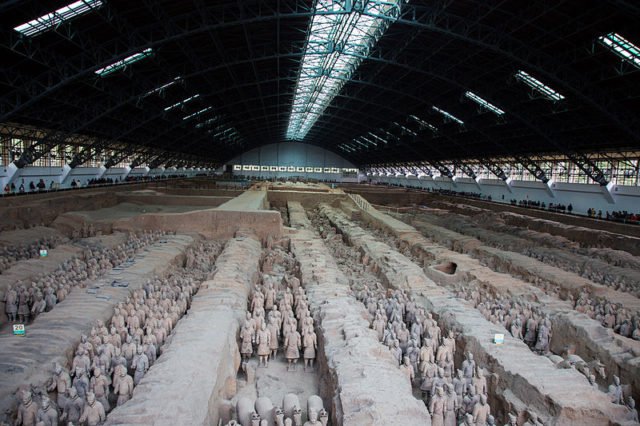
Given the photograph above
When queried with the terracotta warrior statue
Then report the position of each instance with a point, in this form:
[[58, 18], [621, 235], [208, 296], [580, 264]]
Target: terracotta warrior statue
[[481, 411], [313, 419], [310, 346], [468, 368], [437, 408], [11, 303], [468, 421], [140, 364], [451, 405], [513, 420], [72, 408], [100, 388], [93, 413], [60, 382], [274, 330], [47, 414], [124, 388], [480, 382], [292, 344], [263, 339], [246, 338], [615, 391], [27, 411]]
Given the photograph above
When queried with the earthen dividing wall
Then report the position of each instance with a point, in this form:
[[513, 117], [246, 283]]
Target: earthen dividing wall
[[54, 335], [196, 372], [25, 212], [155, 198], [524, 379], [357, 372], [620, 355], [213, 223], [309, 200], [404, 197]]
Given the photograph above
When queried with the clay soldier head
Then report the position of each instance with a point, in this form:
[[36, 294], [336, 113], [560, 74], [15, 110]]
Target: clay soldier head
[[26, 398], [297, 415], [323, 416], [255, 419], [468, 420]]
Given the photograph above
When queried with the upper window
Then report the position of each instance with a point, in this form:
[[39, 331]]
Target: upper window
[[123, 63], [622, 47], [182, 102], [539, 86], [483, 103], [448, 115], [51, 20]]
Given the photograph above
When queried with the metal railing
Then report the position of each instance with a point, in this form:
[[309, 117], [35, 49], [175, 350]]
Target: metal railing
[[360, 201]]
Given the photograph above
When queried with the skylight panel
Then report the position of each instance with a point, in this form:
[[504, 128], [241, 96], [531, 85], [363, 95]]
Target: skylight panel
[[229, 135], [197, 113], [338, 40], [208, 122], [182, 102], [368, 141], [405, 129], [448, 116], [163, 87], [423, 124], [221, 133], [361, 143], [483, 103], [539, 86], [622, 47], [391, 135], [373, 135], [51, 20], [123, 63]]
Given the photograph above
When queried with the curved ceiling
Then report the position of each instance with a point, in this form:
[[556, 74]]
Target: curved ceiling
[[242, 59]]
